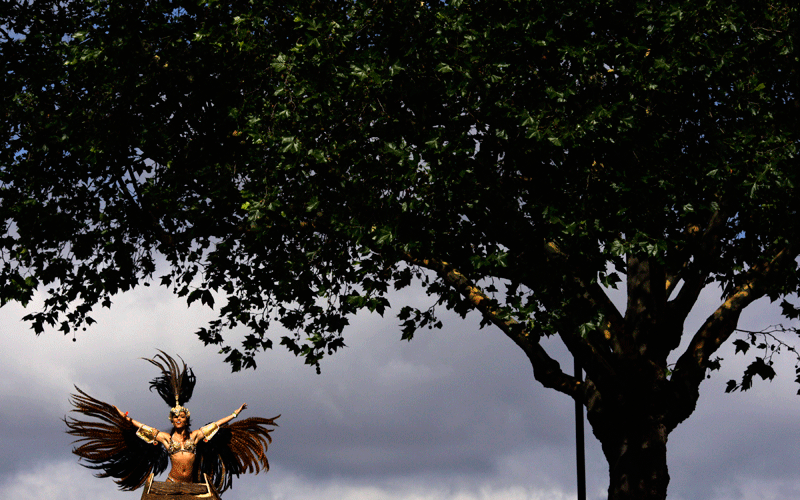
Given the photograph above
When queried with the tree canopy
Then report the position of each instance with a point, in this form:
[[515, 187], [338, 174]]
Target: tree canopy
[[294, 162]]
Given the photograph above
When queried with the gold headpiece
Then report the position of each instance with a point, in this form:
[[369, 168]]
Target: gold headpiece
[[175, 410]]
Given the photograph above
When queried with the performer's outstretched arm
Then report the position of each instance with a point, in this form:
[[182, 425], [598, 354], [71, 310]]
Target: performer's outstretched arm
[[129, 419], [149, 434], [233, 415], [207, 432]]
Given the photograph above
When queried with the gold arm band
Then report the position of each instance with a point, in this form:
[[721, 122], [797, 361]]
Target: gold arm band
[[147, 434], [209, 431]]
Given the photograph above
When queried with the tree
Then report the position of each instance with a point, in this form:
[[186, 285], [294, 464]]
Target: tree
[[299, 159]]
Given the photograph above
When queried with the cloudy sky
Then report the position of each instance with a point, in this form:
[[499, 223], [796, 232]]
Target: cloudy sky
[[453, 415]]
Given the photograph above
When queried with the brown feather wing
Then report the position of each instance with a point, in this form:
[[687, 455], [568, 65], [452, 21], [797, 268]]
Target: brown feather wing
[[237, 448], [109, 444]]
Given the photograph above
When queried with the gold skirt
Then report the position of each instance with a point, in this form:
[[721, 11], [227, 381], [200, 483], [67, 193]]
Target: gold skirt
[[168, 490]]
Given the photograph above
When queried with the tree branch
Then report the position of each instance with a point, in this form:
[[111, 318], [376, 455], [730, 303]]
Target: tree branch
[[613, 332], [706, 247], [545, 369], [691, 367]]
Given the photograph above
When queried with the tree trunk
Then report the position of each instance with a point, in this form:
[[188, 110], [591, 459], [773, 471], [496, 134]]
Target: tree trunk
[[636, 450]]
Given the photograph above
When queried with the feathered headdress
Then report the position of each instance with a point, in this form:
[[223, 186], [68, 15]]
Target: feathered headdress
[[175, 385]]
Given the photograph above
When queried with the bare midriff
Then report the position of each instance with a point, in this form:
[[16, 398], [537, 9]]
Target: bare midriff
[[182, 464]]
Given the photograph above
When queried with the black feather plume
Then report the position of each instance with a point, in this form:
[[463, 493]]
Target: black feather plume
[[175, 385]]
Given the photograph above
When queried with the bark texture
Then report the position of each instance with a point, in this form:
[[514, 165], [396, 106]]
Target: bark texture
[[637, 459]]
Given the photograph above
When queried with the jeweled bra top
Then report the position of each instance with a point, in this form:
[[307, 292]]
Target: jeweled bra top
[[187, 446]]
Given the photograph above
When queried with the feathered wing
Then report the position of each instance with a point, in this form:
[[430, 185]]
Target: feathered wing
[[110, 444], [237, 448]]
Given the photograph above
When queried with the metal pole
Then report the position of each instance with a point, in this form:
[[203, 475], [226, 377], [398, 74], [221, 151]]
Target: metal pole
[[580, 455]]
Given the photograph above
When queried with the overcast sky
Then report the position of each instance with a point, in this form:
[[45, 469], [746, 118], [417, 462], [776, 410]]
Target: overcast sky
[[453, 415]]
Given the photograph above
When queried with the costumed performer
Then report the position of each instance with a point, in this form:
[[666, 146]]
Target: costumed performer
[[131, 452]]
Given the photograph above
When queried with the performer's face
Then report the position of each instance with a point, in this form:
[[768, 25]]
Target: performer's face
[[179, 420]]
